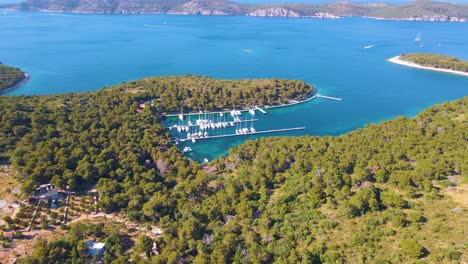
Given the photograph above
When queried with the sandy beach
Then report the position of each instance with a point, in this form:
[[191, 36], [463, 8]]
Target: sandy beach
[[397, 60]]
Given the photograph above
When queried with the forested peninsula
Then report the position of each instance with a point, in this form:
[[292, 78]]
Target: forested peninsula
[[197, 93], [420, 10], [435, 62], [383, 193], [9, 77]]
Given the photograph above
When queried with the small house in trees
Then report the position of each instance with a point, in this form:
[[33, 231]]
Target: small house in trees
[[48, 192]]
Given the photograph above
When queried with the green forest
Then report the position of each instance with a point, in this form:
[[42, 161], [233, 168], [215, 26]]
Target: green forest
[[437, 61], [195, 93], [373, 195], [9, 76]]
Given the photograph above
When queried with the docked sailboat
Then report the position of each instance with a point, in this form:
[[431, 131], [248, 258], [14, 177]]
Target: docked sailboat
[[187, 150]]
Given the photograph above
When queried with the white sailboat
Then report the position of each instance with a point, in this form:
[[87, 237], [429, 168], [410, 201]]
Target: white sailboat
[[418, 37]]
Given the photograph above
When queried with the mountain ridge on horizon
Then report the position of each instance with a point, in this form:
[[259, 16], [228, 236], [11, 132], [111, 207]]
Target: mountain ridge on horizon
[[416, 10]]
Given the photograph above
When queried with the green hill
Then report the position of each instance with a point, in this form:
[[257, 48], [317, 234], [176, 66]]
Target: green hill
[[421, 8], [375, 195], [417, 10]]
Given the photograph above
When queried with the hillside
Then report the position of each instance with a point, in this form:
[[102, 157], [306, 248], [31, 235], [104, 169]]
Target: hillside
[[9, 77], [377, 194], [418, 10], [422, 10]]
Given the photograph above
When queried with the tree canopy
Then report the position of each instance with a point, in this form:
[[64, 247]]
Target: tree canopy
[[366, 196], [437, 61]]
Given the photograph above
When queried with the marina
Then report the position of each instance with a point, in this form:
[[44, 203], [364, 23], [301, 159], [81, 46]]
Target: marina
[[226, 124]]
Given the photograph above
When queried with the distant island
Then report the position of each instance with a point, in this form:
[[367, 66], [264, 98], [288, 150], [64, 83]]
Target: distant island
[[420, 10], [10, 77], [434, 62]]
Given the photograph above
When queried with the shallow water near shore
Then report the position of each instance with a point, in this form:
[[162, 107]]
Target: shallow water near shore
[[82, 52]]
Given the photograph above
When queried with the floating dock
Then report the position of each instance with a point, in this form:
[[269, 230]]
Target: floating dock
[[246, 134]]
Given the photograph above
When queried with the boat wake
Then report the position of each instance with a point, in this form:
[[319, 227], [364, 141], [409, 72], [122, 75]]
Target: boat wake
[[369, 46], [162, 26]]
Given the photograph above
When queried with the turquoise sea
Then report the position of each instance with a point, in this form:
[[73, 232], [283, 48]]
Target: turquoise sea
[[82, 52]]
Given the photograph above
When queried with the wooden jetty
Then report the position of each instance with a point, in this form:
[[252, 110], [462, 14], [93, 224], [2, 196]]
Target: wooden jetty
[[247, 134]]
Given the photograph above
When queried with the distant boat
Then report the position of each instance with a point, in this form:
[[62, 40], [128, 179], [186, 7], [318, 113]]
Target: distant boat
[[369, 46], [418, 37], [187, 149]]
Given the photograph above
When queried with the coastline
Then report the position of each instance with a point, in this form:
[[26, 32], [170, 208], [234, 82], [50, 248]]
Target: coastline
[[319, 15], [397, 60], [314, 94], [17, 85]]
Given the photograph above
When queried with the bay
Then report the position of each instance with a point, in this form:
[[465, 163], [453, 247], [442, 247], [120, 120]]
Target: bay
[[83, 52]]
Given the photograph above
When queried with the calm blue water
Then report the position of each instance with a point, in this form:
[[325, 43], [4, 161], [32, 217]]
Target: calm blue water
[[72, 52]]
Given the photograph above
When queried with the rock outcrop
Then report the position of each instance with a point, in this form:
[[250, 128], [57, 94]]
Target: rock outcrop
[[208, 7], [273, 12]]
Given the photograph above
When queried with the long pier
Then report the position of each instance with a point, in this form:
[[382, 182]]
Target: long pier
[[261, 110], [329, 97], [247, 134]]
